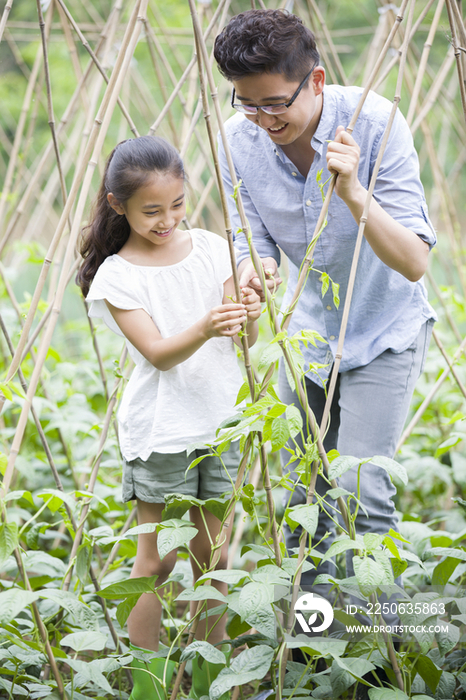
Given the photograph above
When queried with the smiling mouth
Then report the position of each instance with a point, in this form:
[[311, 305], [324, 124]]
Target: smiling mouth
[[277, 130], [163, 233]]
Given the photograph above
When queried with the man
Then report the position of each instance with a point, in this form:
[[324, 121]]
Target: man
[[290, 126]]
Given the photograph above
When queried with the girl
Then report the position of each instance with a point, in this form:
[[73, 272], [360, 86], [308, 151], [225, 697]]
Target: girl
[[167, 292]]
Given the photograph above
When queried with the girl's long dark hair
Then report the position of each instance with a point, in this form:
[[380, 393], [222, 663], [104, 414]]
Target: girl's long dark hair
[[127, 169]]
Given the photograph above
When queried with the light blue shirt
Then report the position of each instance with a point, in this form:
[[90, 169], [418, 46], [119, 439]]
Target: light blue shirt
[[282, 208]]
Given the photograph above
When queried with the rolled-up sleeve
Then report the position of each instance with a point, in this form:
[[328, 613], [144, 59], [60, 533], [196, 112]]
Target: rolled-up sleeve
[[398, 188]]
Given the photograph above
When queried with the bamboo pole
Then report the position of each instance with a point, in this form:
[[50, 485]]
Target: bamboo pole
[[449, 362], [396, 57], [428, 399], [49, 98], [457, 50], [313, 7], [6, 12], [432, 95], [39, 169], [95, 145], [186, 72], [423, 62], [21, 125], [86, 45], [81, 167]]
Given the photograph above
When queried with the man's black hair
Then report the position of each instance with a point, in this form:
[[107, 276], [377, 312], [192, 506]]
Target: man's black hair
[[265, 41]]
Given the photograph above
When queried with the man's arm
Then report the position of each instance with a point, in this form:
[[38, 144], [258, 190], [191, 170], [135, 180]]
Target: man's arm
[[397, 246]]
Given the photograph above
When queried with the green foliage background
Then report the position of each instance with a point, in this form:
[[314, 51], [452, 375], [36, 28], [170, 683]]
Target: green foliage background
[[71, 406]]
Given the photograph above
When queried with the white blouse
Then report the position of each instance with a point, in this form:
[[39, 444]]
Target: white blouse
[[165, 411]]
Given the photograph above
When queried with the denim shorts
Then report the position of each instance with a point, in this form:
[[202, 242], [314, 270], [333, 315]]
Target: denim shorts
[[161, 474]]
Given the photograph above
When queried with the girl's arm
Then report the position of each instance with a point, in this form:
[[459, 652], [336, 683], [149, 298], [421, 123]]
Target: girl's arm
[[165, 353], [252, 304]]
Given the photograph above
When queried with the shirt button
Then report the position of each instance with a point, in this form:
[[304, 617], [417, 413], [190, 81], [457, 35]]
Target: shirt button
[[308, 202], [332, 337], [294, 174], [329, 308]]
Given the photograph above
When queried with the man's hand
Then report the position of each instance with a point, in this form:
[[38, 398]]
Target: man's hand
[[248, 276], [343, 159]]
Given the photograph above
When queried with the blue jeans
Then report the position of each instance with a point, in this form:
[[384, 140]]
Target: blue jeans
[[367, 417]]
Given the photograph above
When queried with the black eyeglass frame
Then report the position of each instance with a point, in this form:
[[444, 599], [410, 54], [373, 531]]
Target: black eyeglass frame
[[245, 109]]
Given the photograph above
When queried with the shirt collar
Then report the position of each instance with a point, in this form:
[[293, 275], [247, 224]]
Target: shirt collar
[[327, 118]]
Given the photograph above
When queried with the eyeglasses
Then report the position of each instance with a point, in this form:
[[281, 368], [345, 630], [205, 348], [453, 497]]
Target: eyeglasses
[[270, 109]]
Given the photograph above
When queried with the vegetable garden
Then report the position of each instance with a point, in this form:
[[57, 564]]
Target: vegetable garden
[[76, 79]]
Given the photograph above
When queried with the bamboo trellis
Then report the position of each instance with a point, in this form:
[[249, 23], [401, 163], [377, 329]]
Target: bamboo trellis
[[130, 72]]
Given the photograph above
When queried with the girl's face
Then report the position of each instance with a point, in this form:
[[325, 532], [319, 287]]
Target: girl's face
[[155, 210]]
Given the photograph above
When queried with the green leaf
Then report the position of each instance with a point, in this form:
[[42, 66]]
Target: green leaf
[[389, 694], [295, 420], [320, 646], [325, 283], [56, 499], [280, 433], [243, 393], [130, 586], [263, 403], [218, 507], [230, 576], [445, 552], [78, 641], [196, 461], [340, 546], [372, 541], [394, 469], [91, 672], [9, 686], [370, 574], [444, 570], [177, 504], [8, 540], [123, 610], [450, 442], [271, 354], [15, 495], [263, 620], [305, 515], [83, 561], [341, 465], [204, 649], [82, 613], [447, 640], [13, 601], [336, 294], [204, 592], [446, 686], [344, 671], [6, 390], [428, 672], [253, 596], [172, 538], [251, 665]]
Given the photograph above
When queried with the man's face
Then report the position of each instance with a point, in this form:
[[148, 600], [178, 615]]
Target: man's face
[[299, 120]]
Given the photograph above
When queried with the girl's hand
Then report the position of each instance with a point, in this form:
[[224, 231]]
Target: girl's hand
[[252, 302], [224, 320]]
